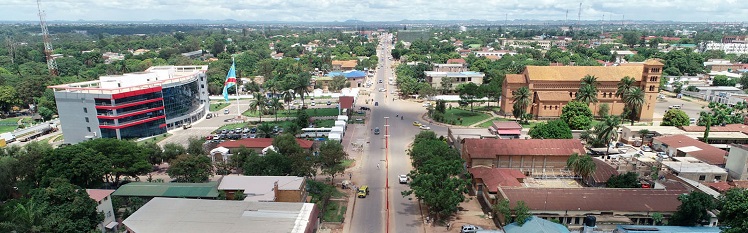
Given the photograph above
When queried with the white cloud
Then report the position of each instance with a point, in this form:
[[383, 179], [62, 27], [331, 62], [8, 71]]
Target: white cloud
[[375, 10]]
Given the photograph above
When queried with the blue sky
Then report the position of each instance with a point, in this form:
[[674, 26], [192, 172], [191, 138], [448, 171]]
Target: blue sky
[[376, 10]]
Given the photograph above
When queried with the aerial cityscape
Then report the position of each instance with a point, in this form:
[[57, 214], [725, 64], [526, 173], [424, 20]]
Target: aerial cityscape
[[482, 116]]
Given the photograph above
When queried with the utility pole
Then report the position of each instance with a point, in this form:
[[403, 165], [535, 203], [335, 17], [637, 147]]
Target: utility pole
[[48, 49]]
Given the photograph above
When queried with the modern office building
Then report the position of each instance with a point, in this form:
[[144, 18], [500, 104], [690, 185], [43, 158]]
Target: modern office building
[[132, 105]]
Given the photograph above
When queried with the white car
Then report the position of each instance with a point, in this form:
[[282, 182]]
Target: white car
[[646, 148], [314, 103], [403, 179], [423, 127]]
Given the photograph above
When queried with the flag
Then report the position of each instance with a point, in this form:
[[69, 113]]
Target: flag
[[230, 81]]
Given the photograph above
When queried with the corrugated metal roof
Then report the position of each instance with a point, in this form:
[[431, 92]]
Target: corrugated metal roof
[[576, 73], [490, 148], [149, 189]]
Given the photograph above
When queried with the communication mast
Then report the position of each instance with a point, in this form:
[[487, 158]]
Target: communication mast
[[48, 49]]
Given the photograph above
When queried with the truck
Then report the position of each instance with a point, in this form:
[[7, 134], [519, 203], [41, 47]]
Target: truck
[[9, 137]]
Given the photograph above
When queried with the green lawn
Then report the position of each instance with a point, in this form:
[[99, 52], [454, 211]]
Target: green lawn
[[8, 124], [485, 108], [334, 211], [154, 139], [464, 117], [490, 122], [312, 112], [233, 126], [324, 123], [218, 106]]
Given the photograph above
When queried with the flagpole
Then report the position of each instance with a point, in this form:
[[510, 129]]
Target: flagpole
[[238, 111]]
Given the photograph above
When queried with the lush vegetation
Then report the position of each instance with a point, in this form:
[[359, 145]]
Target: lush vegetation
[[556, 129], [675, 117]]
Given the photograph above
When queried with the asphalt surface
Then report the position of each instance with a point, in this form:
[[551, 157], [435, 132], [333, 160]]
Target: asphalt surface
[[371, 214], [689, 107]]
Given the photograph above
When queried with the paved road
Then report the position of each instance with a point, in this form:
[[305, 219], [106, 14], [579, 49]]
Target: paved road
[[691, 108], [370, 214]]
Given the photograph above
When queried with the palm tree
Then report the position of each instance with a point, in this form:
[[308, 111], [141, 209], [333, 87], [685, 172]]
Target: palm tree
[[607, 131], [300, 86], [259, 104], [624, 86], [587, 94], [581, 165], [264, 130], [276, 104], [590, 80], [634, 100], [25, 217], [521, 99], [288, 97]]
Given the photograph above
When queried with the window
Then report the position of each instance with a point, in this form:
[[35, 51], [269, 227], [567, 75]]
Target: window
[[470, 79], [86, 119], [85, 110], [89, 129], [545, 107], [556, 107], [702, 177], [651, 88], [717, 177], [654, 70], [109, 214]]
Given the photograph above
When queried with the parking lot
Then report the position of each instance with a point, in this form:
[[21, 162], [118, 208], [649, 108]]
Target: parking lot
[[691, 108]]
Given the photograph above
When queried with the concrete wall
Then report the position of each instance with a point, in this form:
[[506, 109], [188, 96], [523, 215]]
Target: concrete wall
[[74, 109], [105, 207], [736, 163]]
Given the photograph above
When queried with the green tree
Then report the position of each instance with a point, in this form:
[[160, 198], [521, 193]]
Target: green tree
[[25, 215], [657, 218], [522, 211], [634, 99], [66, 208], [468, 93], [626, 180], [171, 151], [8, 98], [556, 129], [733, 207], [502, 210], [693, 209], [276, 104], [723, 80], [190, 169], [607, 131], [604, 110], [80, 165], [675, 117], [46, 113], [264, 130], [127, 158], [581, 165], [587, 94], [631, 38], [625, 86], [271, 164], [521, 100], [258, 104], [338, 83], [195, 146], [577, 115], [331, 156], [743, 81]]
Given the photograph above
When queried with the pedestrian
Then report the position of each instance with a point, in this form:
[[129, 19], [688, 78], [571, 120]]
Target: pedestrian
[[350, 176], [377, 165]]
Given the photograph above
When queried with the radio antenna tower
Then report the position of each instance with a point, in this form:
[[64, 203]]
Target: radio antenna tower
[[48, 50], [579, 14]]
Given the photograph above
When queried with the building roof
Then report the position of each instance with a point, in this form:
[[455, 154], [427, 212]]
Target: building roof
[[260, 188], [254, 143], [719, 186], [506, 127], [495, 177], [346, 102], [515, 78], [726, 128], [346, 64], [456, 61], [99, 194], [595, 199], [603, 171], [706, 153], [536, 225], [576, 73], [553, 96], [490, 148], [471, 74], [653, 62], [665, 229], [194, 215], [153, 77], [151, 189]]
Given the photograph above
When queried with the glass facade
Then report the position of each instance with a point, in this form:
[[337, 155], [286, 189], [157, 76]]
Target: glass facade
[[144, 130], [182, 99]]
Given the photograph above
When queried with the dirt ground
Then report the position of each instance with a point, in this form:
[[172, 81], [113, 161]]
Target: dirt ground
[[471, 213]]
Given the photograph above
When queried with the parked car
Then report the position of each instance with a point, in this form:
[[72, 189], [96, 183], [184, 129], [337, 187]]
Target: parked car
[[403, 179], [226, 111], [313, 103], [620, 144], [209, 115], [253, 130], [329, 103], [646, 148], [186, 126], [662, 155], [470, 228]]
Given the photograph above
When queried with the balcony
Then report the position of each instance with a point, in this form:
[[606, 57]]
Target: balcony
[[129, 113]]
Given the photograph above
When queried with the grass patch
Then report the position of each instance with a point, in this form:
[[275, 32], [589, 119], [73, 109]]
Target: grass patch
[[218, 106], [462, 117], [154, 139], [312, 112], [489, 123], [324, 123], [485, 108], [357, 121], [8, 125], [348, 162], [233, 126], [59, 138], [334, 212]]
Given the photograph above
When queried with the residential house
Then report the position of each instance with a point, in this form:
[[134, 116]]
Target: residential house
[[198, 216], [265, 188], [346, 104], [322, 82], [345, 65], [486, 181], [737, 162], [684, 146], [718, 65], [552, 87], [531, 156], [435, 78], [601, 175], [456, 61], [453, 67], [456, 136], [103, 200], [193, 54], [717, 94], [497, 53], [728, 48]]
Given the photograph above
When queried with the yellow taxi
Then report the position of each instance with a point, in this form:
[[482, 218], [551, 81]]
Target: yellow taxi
[[416, 123], [363, 191]]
